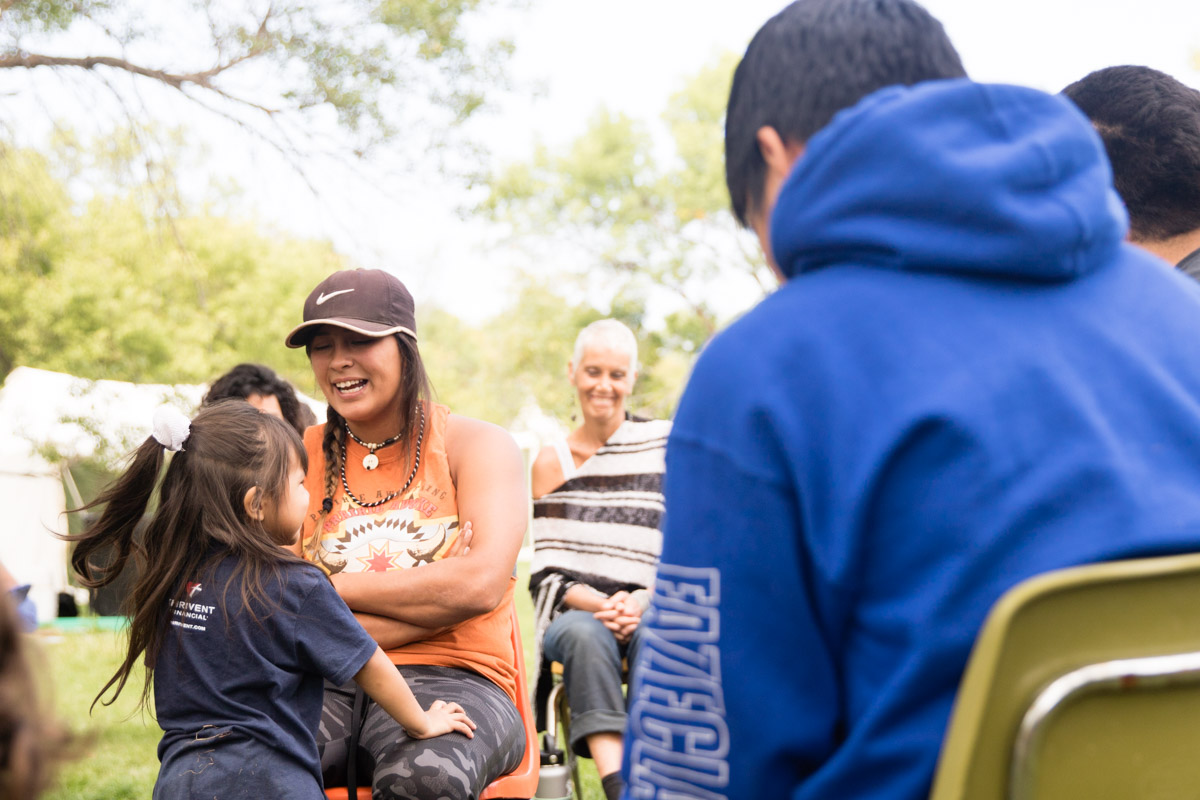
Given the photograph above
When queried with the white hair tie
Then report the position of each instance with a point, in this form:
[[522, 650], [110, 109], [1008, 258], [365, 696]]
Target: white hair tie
[[171, 428]]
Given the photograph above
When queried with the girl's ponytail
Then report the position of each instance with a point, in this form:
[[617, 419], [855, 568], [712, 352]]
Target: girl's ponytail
[[125, 504]]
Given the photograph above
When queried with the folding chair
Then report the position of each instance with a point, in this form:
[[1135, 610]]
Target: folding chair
[[521, 783], [558, 716], [1083, 683]]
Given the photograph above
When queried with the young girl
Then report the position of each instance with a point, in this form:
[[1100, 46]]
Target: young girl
[[237, 632]]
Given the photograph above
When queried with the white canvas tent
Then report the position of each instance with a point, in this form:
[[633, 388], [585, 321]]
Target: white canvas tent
[[33, 498], [47, 421]]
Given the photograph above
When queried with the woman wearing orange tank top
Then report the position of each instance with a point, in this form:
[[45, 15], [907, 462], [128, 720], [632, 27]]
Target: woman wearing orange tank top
[[417, 515]]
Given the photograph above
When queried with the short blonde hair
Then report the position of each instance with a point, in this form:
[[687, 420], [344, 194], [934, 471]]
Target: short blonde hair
[[610, 333]]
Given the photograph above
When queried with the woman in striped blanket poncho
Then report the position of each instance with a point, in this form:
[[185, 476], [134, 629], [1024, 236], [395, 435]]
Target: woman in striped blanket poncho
[[597, 508]]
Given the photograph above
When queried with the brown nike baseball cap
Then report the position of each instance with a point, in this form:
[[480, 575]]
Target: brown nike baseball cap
[[367, 301]]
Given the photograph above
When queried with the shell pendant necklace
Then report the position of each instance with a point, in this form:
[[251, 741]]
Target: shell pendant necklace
[[370, 460], [400, 491]]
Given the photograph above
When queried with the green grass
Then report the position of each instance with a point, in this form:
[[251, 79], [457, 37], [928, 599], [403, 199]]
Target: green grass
[[119, 761]]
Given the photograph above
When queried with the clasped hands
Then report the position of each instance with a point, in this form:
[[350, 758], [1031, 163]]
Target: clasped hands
[[620, 613]]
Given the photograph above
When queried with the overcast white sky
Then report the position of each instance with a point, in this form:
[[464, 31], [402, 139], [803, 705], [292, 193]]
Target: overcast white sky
[[630, 55]]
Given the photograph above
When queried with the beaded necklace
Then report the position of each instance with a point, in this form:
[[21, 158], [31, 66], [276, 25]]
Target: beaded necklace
[[411, 475], [370, 460]]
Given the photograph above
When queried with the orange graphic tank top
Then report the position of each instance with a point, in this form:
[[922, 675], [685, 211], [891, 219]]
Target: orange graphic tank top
[[412, 529]]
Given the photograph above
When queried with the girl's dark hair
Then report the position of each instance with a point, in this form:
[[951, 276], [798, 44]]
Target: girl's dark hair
[[201, 518], [245, 380], [414, 389]]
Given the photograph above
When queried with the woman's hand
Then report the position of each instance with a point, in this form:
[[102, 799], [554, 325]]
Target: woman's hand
[[462, 543], [621, 613], [442, 718]]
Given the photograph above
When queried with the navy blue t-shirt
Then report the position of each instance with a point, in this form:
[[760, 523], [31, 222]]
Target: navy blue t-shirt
[[239, 700]]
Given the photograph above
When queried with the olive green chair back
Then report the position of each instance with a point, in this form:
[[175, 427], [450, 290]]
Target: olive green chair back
[[1084, 683]]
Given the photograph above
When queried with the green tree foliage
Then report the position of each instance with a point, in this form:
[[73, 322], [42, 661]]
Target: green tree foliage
[[495, 370], [277, 67], [696, 118], [109, 287], [33, 216], [104, 290], [648, 220]]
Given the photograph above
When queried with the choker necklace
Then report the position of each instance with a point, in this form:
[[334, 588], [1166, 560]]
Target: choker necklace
[[411, 475], [370, 460]]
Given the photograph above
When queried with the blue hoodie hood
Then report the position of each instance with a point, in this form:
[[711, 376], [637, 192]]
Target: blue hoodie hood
[[952, 176]]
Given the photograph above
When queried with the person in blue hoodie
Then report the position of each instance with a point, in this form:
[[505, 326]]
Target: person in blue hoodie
[[966, 378]]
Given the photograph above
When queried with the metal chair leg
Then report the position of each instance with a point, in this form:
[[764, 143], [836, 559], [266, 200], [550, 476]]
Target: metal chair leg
[[559, 699], [558, 717]]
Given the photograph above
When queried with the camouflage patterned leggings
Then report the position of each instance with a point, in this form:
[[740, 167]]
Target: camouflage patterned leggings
[[450, 767]]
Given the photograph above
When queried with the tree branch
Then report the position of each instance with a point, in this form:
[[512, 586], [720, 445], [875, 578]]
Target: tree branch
[[289, 152], [177, 80]]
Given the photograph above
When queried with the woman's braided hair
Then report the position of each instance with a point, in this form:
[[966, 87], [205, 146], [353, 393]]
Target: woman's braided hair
[[333, 445], [414, 389]]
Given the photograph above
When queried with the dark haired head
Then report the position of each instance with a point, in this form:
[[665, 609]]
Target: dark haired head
[[371, 303], [247, 380], [1150, 124], [414, 390], [815, 58], [230, 449]]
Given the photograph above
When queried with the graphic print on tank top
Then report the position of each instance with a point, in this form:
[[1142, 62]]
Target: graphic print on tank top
[[402, 533]]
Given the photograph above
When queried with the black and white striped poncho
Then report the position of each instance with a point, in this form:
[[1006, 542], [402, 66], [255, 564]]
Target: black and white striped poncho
[[601, 528]]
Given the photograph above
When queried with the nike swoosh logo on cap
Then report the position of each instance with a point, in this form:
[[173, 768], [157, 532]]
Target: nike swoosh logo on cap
[[321, 300]]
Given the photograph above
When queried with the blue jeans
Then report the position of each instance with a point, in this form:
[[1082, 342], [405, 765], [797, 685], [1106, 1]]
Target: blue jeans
[[591, 659]]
